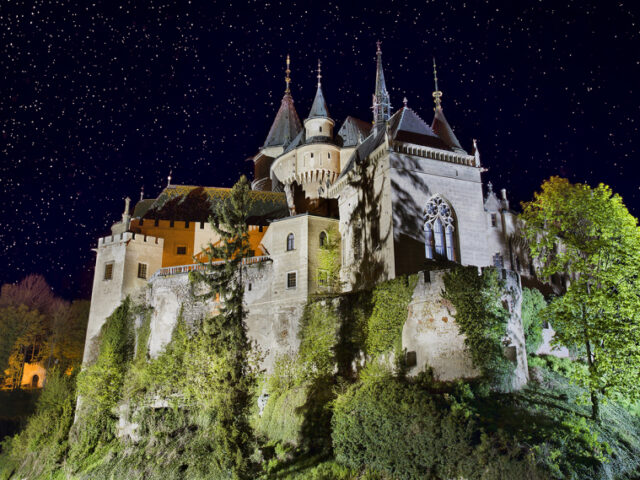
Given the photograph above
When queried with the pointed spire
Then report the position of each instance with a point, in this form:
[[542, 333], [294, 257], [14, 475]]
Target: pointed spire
[[319, 72], [437, 94], [287, 124], [142, 193], [476, 152], [319, 106], [287, 79], [169, 178], [381, 103], [405, 102]]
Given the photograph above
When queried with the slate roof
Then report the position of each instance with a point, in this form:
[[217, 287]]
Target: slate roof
[[444, 131], [196, 204], [286, 124], [404, 126], [319, 107], [352, 130]]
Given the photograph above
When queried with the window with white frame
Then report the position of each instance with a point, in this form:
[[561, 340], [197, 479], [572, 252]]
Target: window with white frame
[[292, 280], [439, 229]]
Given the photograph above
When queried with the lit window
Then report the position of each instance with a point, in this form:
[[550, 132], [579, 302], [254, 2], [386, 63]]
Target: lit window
[[108, 271], [142, 270], [290, 242], [439, 228], [323, 238], [291, 280], [181, 250]]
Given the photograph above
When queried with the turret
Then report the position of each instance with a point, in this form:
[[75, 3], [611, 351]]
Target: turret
[[318, 123]]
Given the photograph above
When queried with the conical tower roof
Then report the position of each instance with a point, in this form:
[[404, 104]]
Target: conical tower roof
[[287, 124], [319, 107], [381, 103]]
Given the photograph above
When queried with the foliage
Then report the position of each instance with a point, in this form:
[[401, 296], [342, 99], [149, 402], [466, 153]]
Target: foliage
[[20, 327], [533, 303], [225, 334], [390, 302], [100, 384], [482, 319], [318, 336], [588, 234], [33, 292], [41, 446], [329, 260]]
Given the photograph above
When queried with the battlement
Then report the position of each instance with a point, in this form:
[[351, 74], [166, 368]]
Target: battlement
[[130, 237], [178, 225]]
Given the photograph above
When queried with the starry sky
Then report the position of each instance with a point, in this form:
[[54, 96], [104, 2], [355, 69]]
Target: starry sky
[[101, 99]]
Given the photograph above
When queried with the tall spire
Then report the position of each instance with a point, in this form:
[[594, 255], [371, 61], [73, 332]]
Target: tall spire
[[381, 103], [286, 124], [287, 79], [319, 106], [437, 94]]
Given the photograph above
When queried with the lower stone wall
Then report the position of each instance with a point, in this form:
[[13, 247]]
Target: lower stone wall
[[432, 334]]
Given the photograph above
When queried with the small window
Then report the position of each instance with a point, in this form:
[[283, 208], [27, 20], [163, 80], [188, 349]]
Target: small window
[[311, 154], [181, 250], [323, 238], [323, 278], [319, 129], [494, 220], [290, 242], [171, 223], [186, 224], [201, 225], [249, 287], [291, 280], [142, 270], [108, 271], [329, 155]]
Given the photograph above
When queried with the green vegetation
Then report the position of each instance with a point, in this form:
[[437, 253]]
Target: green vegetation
[[329, 261], [482, 318], [588, 235], [533, 303]]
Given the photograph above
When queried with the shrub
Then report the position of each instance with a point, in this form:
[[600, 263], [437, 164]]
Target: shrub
[[532, 304]]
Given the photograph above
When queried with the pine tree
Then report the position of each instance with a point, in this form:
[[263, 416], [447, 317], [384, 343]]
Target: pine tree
[[225, 334]]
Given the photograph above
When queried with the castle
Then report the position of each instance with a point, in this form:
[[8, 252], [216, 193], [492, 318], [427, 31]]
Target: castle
[[400, 192]]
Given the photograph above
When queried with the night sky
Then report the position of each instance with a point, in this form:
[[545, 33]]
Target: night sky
[[100, 99]]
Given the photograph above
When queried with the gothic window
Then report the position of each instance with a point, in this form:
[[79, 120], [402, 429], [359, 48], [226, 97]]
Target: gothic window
[[323, 238], [439, 230], [290, 242]]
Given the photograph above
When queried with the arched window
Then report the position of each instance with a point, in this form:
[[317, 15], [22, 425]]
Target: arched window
[[290, 242], [439, 228], [323, 238], [34, 381]]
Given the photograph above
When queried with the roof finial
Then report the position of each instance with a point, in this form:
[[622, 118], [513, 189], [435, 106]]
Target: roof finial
[[378, 51], [437, 94], [490, 187], [169, 178], [142, 193], [287, 79], [405, 101], [319, 71]]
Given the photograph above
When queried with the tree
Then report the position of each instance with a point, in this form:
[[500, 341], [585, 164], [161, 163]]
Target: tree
[[225, 334], [588, 235]]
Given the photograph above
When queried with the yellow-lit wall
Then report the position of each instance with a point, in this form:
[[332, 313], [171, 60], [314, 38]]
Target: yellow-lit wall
[[31, 369]]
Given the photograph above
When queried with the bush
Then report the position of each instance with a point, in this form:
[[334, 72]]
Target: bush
[[533, 303]]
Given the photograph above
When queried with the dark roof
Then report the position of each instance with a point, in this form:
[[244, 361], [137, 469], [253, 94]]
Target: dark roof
[[353, 130], [286, 124], [197, 204], [444, 131], [319, 107], [363, 150], [404, 126]]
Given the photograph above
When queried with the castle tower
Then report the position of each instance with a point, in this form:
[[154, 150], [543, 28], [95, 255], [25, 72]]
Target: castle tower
[[286, 126], [381, 103]]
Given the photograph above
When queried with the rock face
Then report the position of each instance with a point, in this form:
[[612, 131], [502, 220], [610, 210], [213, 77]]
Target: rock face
[[515, 347], [431, 332], [433, 340]]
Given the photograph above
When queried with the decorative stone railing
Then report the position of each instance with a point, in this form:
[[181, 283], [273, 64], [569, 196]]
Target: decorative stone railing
[[202, 267]]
